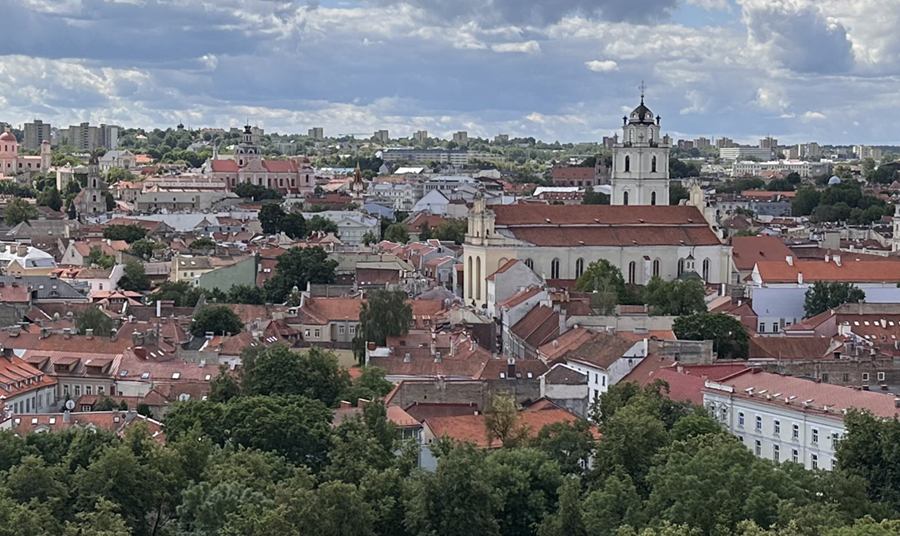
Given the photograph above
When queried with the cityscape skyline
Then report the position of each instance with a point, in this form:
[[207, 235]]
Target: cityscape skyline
[[743, 69]]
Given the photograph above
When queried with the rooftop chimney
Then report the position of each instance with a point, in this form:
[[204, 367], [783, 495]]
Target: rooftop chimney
[[67, 333], [837, 260], [114, 335], [22, 250], [790, 260], [89, 334]]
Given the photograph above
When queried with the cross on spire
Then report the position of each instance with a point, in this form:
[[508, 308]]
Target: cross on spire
[[643, 88]]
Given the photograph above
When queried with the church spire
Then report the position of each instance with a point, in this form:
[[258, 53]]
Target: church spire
[[643, 88]]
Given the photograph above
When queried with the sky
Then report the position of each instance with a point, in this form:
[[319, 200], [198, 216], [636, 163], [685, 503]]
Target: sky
[[566, 70]]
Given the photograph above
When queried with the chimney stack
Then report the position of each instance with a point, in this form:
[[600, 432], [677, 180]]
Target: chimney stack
[[89, 334], [67, 333], [114, 335]]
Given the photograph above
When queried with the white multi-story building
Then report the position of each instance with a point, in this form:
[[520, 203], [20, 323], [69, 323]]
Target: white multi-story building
[[737, 153], [756, 169], [640, 174], [783, 419]]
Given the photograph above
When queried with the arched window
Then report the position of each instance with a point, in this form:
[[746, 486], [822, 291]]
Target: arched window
[[653, 165], [627, 164], [529, 263], [469, 278], [653, 198], [478, 278], [579, 268], [632, 272], [503, 261], [706, 270], [656, 268], [554, 269], [680, 266], [650, 134], [625, 198]]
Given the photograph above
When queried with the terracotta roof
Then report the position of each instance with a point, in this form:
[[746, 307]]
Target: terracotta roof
[[601, 350], [369, 276], [766, 194], [280, 166], [790, 348], [540, 325], [114, 421], [421, 411], [565, 342], [572, 173], [794, 393], [887, 271], [224, 166], [596, 215], [520, 297], [617, 235], [433, 221], [498, 369], [561, 374], [748, 250]]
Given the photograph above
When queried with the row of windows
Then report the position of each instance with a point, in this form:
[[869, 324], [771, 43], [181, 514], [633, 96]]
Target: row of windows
[[32, 403], [652, 195], [795, 455], [632, 269], [795, 430], [628, 165], [74, 391]]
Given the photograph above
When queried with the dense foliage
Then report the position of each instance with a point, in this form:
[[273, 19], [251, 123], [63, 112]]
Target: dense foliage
[[729, 336], [386, 313], [823, 296], [129, 233]]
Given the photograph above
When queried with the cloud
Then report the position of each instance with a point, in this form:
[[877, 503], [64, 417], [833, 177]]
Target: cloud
[[528, 47], [814, 116], [771, 99], [601, 66], [697, 103], [540, 12], [709, 5], [797, 35]]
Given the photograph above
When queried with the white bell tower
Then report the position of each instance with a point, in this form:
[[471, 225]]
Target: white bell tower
[[640, 174]]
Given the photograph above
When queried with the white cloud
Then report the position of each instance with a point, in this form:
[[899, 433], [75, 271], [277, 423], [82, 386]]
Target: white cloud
[[601, 66], [527, 47], [697, 103], [771, 99], [709, 5], [814, 116]]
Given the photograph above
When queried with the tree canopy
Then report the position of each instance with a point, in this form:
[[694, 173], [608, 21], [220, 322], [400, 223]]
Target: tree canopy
[[385, 314], [824, 295], [729, 336], [297, 267], [217, 319], [130, 233]]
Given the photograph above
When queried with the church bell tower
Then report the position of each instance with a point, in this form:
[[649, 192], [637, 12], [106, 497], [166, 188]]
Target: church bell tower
[[640, 173]]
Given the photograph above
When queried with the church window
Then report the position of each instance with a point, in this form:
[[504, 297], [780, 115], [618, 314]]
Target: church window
[[656, 268], [631, 135], [650, 134], [632, 272], [478, 278], [95, 199], [627, 164], [625, 198], [470, 281], [680, 266], [706, 270], [653, 165], [554, 269], [529, 263], [579, 268], [653, 198]]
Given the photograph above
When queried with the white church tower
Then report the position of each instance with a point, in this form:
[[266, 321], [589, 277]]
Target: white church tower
[[640, 174]]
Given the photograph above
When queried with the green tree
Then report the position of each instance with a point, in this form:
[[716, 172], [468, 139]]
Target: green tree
[[183, 293], [134, 277], [256, 192], [451, 231], [370, 385], [294, 225], [613, 505], [117, 174], [729, 336], [369, 238], [296, 268], [823, 296], [314, 374], [129, 233], [96, 257], [51, 198], [602, 277], [397, 232], [526, 482], [592, 197], [675, 298], [251, 295], [569, 518], [677, 192], [501, 422], [805, 202], [203, 243], [217, 319], [143, 248], [17, 211], [867, 449], [224, 386], [271, 217], [95, 319], [570, 444], [385, 314], [319, 223], [101, 520]]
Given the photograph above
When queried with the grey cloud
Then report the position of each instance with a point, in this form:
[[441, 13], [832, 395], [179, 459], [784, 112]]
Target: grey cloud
[[540, 12], [798, 36]]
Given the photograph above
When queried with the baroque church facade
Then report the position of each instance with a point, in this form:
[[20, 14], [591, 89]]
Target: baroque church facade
[[639, 232]]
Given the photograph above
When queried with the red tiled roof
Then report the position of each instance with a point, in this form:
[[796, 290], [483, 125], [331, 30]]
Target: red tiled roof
[[790, 348], [617, 235], [524, 369], [887, 271], [279, 166], [748, 250], [430, 219], [224, 166], [567, 341], [572, 173], [600, 350], [520, 297], [539, 326], [596, 215], [820, 395], [114, 421], [766, 194]]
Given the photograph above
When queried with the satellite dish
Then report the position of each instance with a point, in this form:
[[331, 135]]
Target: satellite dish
[[184, 397], [70, 405]]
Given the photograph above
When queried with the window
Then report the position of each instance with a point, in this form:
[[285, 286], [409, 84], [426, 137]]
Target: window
[[706, 270], [65, 391], [758, 447], [834, 441], [77, 391], [815, 436], [777, 427], [579, 268], [653, 198], [340, 330], [814, 461], [824, 377], [795, 455], [762, 327], [656, 268], [680, 266], [865, 376], [317, 333], [796, 433], [625, 199], [632, 272], [741, 419], [352, 330], [88, 389], [100, 389], [846, 377], [628, 161], [529, 263], [603, 380], [881, 376], [554, 269], [758, 422], [776, 454], [653, 170]]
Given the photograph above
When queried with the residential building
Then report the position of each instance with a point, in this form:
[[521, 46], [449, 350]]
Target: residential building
[[507, 281], [382, 136], [686, 145], [640, 174], [757, 169], [702, 143], [768, 143], [420, 136], [26, 389], [352, 225], [574, 176], [35, 133], [123, 159], [731, 154], [501, 138], [17, 259], [316, 133], [787, 419], [181, 201], [87, 138], [190, 268], [724, 142], [867, 151], [461, 138]]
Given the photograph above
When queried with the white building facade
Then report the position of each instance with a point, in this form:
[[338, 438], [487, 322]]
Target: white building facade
[[640, 174]]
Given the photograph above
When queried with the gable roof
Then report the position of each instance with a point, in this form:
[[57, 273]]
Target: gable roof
[[748, 250], [600, 350], [540, 325], [503, 269], [886, 271]]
